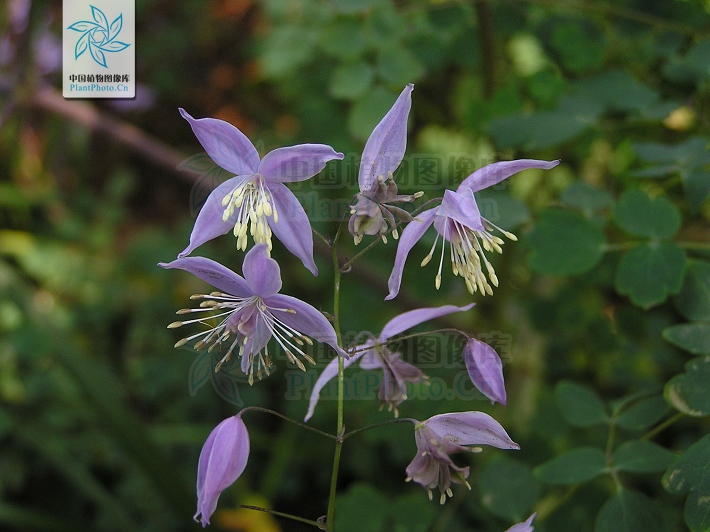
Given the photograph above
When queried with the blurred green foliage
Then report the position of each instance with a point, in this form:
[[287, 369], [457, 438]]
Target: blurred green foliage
[[606, 297]]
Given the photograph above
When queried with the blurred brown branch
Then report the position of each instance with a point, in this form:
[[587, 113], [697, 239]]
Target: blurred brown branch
[[87, 115]]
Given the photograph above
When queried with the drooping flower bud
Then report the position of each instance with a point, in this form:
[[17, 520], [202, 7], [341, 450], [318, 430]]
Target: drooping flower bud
[[222, 460]]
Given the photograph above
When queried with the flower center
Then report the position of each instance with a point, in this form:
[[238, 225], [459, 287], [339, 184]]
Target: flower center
[[467, 253], [254, 205], [253, 323]]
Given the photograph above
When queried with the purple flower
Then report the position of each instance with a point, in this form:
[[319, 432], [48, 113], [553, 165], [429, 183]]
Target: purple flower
[[458, 221], [256, 199], [252, 312], [375, 355], [445, 434], [485, 369], [384, 150], [223, 458], [525, 526]]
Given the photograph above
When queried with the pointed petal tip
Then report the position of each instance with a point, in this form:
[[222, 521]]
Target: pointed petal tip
[[185, 114]]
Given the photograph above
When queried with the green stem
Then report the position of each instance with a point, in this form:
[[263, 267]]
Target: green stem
[[663, 426], [381, 424], [695, 245], [282, 514], [619, 246], [330, 518], [286, 418]]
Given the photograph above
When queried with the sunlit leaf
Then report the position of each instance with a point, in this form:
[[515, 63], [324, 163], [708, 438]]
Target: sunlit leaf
[[640, 215], [350, 81]]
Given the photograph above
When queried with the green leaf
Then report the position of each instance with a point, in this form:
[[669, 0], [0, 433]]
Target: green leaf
[[576, 466], [650, 272], [398, 66], [411, 515], [689, 392], [199, 372], [502, 209], [350, 81], [692, 153], [697, 187], [344, 39], [638, 214], [641, 456], [564, 243], [694, 66], [539, 130], [691, 472], [580, 45], [362, 507], [585, 197], [508, 489], [693, 300], [693, 337], [286, 49], [642, 414], [617, 90], [628, 511], [580, 406]]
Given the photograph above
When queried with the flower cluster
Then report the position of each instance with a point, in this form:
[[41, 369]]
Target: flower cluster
[[245, 312]]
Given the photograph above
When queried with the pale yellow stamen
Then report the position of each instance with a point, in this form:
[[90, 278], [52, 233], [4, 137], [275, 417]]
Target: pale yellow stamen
[[254, 205]]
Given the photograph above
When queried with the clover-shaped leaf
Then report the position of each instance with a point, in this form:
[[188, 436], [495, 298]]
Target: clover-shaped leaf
[[628, 511], [689, 392], [691, 472], [649, 273], [508, 489], [640, 215], [565, 243], [580, 406], [693, 300], [641, 456], [693, 337], [573, 467]]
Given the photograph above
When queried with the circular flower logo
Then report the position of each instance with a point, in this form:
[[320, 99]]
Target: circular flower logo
[[98, 36]]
